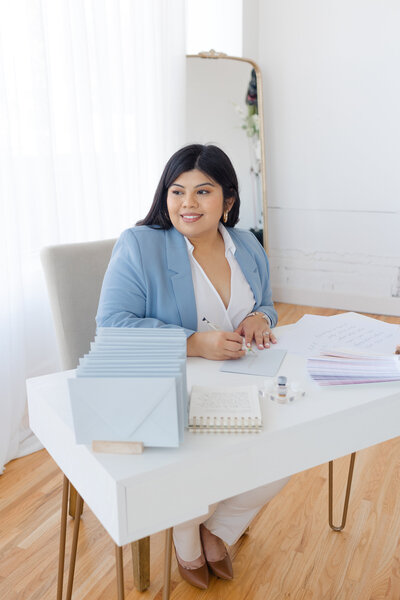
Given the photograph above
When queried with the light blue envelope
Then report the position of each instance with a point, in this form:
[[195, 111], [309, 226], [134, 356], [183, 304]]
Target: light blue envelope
[[152, 342], [178, 372], [129, 360], [141, 351], [132, 332], [125, 409], [263, 362]]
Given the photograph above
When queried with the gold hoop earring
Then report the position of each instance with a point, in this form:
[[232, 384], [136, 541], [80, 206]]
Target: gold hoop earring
[[225, 217]]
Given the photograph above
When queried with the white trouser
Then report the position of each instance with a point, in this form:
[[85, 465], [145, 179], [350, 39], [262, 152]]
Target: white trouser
[[228, 519]]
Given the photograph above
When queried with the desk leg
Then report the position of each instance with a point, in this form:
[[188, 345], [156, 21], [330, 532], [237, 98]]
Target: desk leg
[[347, 497], [141, 563], [167, 564], [63, 535], [72, 561], [73, 494], [120, 571]]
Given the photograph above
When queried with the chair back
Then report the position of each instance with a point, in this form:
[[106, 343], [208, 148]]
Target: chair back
[[74, 275]]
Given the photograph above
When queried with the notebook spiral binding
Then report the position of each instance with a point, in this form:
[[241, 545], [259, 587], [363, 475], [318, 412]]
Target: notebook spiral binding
[[225, 425]]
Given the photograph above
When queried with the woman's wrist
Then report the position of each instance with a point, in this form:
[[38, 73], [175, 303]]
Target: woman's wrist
[[257, 313], [192, 346]]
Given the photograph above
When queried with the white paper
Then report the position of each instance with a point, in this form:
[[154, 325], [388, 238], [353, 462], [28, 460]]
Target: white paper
[[313, 334]]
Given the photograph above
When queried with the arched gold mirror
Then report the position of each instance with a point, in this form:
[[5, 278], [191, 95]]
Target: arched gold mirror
[[224, 106]]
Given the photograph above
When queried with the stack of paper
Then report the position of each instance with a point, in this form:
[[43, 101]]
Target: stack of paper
[[313, 334], [132, 387], [343, 368]]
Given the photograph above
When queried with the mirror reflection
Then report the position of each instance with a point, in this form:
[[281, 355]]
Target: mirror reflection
[[222, 109]]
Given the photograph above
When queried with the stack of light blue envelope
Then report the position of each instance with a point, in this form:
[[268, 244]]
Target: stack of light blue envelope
[[131, 386]]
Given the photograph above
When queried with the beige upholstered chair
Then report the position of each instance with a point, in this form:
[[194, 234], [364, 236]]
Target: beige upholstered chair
[[74, 275]]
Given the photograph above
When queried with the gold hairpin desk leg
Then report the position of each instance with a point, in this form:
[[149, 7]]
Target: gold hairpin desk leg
[[120, 572], [63, 535], [75, 536], [167, 564], [73, 494], [347, 497]]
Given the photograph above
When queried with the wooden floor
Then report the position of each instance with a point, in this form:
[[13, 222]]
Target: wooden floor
[[290, 552]]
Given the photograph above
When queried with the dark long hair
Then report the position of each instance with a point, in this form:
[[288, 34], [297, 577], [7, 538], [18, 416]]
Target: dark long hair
[[211, 161]]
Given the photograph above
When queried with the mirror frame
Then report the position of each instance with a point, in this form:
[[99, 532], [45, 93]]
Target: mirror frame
[[213, 55]]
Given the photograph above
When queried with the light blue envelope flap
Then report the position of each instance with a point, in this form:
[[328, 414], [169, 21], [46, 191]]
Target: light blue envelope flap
[[125, 409]]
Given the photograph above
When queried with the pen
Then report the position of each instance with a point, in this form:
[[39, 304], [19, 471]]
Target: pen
[[215, 328], [211, 325]]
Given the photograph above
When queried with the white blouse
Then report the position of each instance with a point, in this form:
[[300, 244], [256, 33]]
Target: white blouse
[[209, 303]]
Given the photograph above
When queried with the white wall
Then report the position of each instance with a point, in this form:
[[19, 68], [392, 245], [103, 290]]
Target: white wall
[[332, 97], [250, 28], [214, 24]]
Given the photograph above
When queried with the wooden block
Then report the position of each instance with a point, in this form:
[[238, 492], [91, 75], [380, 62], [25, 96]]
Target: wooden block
[[117, 447]]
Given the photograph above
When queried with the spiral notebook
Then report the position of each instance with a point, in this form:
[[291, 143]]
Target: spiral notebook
[[225, 409]]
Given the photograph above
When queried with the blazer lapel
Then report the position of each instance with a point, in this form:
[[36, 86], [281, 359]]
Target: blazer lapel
[[181, 277], [248, 265]]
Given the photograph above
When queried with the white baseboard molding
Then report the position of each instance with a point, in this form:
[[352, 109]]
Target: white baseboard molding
[[380, 306]]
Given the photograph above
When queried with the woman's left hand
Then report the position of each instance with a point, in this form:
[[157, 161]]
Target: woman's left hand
[[256, 328]]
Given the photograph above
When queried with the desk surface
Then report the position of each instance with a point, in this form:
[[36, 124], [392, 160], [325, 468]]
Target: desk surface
[[135, 496]]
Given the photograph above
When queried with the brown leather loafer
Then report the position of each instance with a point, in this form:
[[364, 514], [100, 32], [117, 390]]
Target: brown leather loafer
[[197, 577], [221, 568]]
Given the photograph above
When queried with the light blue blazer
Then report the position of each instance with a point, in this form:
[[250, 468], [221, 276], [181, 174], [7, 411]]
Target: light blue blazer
[[148, 282]]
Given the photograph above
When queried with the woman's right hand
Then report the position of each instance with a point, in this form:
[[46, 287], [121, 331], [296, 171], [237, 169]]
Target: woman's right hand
[[216, 345]]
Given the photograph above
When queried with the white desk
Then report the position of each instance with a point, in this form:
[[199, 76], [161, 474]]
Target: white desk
[[135, 496]]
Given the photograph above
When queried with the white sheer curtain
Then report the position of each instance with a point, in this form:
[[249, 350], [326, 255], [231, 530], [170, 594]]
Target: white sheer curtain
[[91, 107]]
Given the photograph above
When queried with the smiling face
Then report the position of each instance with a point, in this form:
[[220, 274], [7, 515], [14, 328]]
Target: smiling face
[[195, 204]]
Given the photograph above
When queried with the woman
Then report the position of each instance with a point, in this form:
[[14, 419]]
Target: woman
[[185, 265]]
